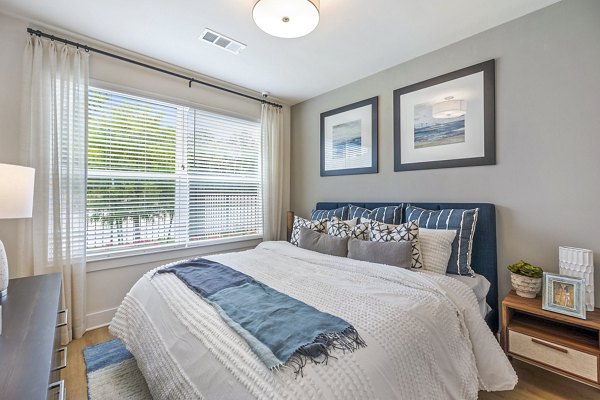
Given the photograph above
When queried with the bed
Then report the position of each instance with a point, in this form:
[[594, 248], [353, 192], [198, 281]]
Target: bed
[[484, 244], [425, 335]]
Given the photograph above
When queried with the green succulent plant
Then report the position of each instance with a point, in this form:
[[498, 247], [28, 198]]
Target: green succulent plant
[[526, 269]]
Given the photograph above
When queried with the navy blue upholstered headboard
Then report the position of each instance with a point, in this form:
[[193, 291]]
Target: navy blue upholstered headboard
[[484, 260]]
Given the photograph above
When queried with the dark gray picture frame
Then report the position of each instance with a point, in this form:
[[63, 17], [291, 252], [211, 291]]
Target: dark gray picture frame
[[489, 121], [373, 169]]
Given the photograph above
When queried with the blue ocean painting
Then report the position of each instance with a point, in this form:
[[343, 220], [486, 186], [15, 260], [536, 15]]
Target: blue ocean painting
[[346, 140], [431, 131]]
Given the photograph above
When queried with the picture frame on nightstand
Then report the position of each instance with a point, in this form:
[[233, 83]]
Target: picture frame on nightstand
[[564, 295]]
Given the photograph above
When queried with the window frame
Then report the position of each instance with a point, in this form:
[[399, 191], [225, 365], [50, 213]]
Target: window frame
[[170, 251]]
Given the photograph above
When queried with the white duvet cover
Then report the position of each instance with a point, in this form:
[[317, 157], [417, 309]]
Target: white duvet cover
[[425, 337], [480, 286]]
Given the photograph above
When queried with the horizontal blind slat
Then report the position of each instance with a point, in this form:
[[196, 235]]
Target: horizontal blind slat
[[163, 175]]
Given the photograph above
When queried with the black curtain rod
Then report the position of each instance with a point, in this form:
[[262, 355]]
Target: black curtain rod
[[141, 64]]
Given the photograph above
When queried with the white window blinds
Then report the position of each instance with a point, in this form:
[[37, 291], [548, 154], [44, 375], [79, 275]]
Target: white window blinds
[[162, 175]]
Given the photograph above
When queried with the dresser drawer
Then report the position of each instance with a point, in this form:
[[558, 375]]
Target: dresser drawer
[[563, 358]]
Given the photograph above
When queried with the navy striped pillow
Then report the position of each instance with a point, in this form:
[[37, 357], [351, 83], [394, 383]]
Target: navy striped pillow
[[341, 213], [463, 221], [387, 215]]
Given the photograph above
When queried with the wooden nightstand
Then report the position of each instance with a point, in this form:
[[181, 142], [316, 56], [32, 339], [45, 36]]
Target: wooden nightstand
[[565, 345]]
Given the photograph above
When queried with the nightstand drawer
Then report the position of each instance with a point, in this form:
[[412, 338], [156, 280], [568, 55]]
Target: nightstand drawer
[[560, 357]]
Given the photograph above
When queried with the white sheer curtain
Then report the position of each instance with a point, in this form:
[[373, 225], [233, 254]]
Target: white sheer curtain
[[273, 171], [55, 84]]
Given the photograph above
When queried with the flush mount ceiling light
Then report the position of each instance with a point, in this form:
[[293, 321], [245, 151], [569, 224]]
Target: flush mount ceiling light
[[286, 18], [449, 109]]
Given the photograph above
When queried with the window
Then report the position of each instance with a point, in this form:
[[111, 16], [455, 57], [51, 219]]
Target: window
[[163, 175]]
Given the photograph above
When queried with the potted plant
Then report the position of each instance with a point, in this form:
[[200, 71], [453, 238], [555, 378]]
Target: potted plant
[[526, 279]]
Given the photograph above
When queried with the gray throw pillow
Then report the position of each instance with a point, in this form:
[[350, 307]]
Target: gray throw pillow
[[323, 243], [398, 254]]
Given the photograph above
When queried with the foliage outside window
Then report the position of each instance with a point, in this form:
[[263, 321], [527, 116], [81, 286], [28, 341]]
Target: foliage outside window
[[165, 175]]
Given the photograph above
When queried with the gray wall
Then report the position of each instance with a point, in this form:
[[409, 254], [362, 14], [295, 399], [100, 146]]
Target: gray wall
[[546, 183]]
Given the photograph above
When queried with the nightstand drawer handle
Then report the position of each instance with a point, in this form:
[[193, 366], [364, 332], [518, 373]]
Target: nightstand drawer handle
[[64, 363], [534, 340], [66, 312], [61, 389]]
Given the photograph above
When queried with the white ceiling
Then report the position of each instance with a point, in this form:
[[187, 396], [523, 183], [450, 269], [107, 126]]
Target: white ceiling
[[354, 39]]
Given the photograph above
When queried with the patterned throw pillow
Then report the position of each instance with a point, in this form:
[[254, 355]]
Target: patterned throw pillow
[[350, 228], [462, 221], [317, 226], [387, 215], [408, 232], [341, 213]]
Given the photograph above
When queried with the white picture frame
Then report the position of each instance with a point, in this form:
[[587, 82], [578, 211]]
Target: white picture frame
[[349, 139], [564, 295], [447, 121]]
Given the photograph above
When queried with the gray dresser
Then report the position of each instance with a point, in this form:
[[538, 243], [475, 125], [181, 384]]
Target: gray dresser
[[30, 357]]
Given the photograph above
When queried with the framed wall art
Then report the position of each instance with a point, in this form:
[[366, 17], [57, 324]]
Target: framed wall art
[[349, 139], [447, 121], [565, 295]]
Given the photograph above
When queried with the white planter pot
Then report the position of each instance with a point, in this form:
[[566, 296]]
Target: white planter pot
[[525, 286]]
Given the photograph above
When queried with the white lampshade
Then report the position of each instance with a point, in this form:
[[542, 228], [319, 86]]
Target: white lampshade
[[287, 18], [449, 109], [16, 191]]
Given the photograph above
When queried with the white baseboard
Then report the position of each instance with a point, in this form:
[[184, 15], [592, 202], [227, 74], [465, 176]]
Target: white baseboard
[[100, 318]]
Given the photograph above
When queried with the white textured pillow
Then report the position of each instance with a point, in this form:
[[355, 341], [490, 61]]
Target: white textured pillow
[[436, 248]]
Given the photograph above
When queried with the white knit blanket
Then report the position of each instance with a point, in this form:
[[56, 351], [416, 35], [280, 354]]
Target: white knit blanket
[[425, 336]]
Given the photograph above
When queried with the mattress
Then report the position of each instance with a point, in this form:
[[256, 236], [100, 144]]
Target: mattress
[[425, 337]]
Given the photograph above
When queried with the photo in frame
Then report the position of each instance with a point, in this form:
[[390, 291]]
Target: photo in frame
[[564, 295], [349, 139], [447, 121]]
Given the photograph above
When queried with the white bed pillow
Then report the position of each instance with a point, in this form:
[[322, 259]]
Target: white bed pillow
[[436, 248]]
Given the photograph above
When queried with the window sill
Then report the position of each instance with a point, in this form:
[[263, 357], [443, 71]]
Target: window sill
[[166, 255]]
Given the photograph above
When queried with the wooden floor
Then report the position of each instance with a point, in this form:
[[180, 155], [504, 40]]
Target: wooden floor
[[534, 383], [74, 374]]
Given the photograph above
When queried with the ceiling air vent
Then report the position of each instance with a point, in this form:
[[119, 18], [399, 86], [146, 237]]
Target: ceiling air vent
[[223, 42]]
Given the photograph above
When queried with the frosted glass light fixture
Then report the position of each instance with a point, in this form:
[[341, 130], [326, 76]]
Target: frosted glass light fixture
[[16, 201], [449, 108], [579, 263], [287, 18]]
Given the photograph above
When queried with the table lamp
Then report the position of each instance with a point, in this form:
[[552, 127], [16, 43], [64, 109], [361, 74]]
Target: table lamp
[[16, 201]]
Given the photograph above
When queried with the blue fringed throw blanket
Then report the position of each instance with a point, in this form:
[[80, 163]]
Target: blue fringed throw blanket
[[278, 328]]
